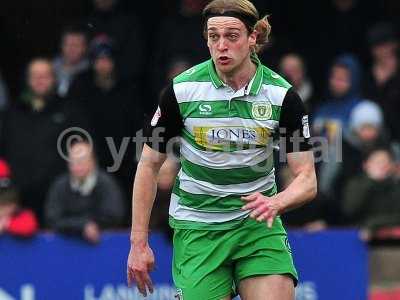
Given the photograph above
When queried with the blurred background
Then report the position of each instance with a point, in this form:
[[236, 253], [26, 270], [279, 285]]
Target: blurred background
[[100, 64]]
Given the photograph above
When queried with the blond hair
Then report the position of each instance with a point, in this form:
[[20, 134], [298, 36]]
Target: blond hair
[[245, 8]]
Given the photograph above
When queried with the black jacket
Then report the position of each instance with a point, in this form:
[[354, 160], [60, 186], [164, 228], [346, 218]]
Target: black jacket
[[115, 113], [28, 141], [68, 210]]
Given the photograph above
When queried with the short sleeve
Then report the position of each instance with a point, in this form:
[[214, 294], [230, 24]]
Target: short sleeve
[[166, 123], [293, 124]]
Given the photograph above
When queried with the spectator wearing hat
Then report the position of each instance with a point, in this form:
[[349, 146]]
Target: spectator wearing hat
[[14, 220], [72, 59], [331, 119], [343, 93], [114, 108], [383, 81], [366, 131], [126, 32], [86, 199]]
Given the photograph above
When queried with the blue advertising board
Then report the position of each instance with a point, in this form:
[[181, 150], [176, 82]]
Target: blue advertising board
[[331, 265]]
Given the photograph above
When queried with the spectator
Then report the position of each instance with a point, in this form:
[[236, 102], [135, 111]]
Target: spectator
[[125, 31], [3, 94], [383, 81], [292, 66], [344, 93], [331, 120], [337, 28], [13, 219], [366, 131], [86, 199], [72, 59], [113, 106], [30, 129], [371, 200], [176, 67]]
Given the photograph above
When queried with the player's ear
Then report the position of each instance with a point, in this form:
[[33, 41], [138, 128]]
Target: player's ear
[[253, 38]]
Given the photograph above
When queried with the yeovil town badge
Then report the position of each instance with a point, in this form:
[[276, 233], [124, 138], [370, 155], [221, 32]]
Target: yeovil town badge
[[261, 110]]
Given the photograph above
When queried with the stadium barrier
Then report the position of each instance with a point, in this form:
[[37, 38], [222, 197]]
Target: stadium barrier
[[332, 265]]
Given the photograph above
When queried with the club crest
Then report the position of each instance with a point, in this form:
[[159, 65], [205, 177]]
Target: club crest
[[261, 110]]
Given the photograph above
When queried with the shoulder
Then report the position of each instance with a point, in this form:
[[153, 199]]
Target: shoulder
[[197, 78], [197, 73], [106, 179], [106, 183], [292, 107], [274, 86], [61, 181], [272, 78]]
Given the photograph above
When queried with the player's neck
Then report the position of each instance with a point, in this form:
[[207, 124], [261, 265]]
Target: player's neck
[[241, 76]]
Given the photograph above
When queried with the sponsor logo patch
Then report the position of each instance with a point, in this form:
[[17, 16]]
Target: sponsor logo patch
[[306, 126], [205, 109], [218, 137], [190, 71]]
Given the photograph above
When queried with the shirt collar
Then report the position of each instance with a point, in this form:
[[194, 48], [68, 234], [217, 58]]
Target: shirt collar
[[254, 84], [86, 186]]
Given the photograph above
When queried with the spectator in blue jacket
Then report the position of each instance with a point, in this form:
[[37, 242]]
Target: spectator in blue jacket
[[343, 94]]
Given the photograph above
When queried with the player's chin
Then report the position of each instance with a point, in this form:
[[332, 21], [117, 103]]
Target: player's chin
[[226, 67]]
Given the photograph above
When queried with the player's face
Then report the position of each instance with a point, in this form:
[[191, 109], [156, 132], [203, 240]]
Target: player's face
[[229, 43]]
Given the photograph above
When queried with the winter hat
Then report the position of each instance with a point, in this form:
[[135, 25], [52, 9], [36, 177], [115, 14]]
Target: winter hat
[[366, 113], [102, 45]]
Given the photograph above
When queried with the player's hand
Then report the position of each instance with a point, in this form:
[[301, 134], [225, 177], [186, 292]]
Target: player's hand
[[140, 264], [263, 208]]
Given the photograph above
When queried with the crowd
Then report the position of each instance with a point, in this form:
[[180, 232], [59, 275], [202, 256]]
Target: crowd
[[106, 78]]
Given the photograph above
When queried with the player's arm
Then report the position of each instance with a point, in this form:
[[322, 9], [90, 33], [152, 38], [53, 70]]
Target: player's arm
[[294, 134], [300, 158], [141, 258], [303, 188], [165, 125], [144, 192]]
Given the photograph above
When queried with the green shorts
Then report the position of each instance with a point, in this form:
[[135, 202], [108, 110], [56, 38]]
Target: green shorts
[[207, 264]]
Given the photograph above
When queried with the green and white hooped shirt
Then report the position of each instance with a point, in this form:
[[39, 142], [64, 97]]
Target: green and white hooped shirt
[[225, 141]]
